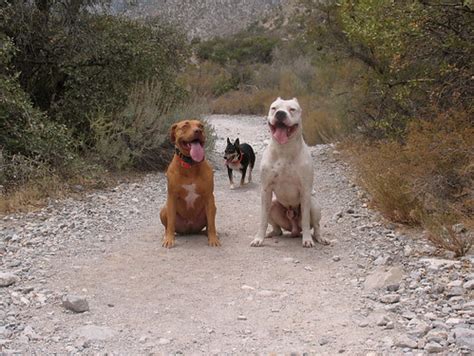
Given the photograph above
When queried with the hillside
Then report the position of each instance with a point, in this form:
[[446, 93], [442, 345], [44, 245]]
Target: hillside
[[202, 18]]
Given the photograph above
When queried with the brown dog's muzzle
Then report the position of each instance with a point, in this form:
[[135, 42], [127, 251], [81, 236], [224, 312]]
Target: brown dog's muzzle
[[190, 139]]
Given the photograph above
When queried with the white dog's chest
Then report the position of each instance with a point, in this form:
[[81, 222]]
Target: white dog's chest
[[286, 183]]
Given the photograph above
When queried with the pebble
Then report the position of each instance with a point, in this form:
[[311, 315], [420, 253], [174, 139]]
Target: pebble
[[454, 292], [77, 304], [381, 277], [405, 341], [433, 347], [382, 320], [464, 338], [163, 341], [390, 298], [417, 328], [241, 317], [469, 285], [336, 258], [323, 341], [7, 279]]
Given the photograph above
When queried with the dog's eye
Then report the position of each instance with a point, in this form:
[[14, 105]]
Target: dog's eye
[[273, 109], [292, 109]]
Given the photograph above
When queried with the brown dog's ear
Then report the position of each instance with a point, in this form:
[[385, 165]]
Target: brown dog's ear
[[173, 133]]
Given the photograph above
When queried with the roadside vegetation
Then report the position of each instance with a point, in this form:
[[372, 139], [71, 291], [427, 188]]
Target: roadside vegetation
[[391, 81], [84, 97]]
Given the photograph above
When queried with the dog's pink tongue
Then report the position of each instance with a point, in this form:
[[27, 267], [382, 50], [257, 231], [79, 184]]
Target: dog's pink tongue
[[197, 152], [281, 135]]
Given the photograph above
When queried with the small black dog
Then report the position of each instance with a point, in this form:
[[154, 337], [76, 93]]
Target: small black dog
[[239, 156]]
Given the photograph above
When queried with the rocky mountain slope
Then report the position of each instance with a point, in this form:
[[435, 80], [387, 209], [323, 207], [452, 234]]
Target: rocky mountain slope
[[202, 18]]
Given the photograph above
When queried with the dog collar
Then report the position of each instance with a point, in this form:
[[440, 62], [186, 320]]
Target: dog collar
[[239, 160], [185, 161]]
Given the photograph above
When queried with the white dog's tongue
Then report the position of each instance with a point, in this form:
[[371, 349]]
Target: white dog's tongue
[[281, 135], [197, 151]]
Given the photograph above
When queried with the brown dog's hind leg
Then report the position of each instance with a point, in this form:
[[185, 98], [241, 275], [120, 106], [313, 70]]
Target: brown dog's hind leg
[[163, 217]]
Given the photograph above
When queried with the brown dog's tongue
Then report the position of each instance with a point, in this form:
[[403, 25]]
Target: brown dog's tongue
[[197, 152], [281, 135]]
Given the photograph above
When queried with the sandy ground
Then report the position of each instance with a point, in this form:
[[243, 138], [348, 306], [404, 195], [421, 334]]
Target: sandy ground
[[194, 299]]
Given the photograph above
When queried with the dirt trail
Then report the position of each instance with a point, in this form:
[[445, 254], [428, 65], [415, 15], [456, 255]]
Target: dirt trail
[[194, 299]]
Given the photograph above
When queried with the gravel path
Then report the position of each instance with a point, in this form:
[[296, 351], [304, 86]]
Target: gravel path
[[90, 276]]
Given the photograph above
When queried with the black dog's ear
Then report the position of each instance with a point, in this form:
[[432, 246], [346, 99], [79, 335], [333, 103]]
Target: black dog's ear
[[228, 141], [237, 143]]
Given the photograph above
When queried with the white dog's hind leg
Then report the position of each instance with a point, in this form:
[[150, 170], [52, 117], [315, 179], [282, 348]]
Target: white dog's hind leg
[[305, 220], [315, 220], [266, 197], [276, 218]]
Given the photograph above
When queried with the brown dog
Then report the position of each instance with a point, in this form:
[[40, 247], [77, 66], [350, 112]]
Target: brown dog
[[190, 205]]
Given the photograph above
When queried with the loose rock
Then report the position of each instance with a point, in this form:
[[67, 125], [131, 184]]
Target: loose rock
[[7, 279], [77, 304]]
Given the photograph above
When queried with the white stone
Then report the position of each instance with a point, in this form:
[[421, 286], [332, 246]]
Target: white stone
[[381, 278], [93, 332], [7, 279]]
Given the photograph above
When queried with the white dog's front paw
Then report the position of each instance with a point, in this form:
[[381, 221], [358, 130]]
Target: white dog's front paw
[[308, 241], [256, 242], [322, 240], [232, 186], [318, 238]]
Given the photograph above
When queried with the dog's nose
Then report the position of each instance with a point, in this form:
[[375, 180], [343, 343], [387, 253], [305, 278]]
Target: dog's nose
[[197, 130], [280, 115]]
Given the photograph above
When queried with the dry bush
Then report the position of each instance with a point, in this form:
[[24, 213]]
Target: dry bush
[[244, 102], [204, 79], [426, 181], [138, 137], [49, 184]]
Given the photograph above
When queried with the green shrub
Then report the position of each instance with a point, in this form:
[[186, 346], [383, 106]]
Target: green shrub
[[241, 48], [31, 144], [74, 63], [417, 54]]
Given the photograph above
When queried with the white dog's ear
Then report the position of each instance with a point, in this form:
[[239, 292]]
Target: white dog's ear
[[296, 101], [279, 98]]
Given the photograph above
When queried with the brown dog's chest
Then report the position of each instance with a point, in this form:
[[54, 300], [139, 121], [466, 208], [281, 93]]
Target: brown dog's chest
[[191, 187]]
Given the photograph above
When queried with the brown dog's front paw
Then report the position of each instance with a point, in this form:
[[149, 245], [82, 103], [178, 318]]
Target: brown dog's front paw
[[168, 242], [214, 242]]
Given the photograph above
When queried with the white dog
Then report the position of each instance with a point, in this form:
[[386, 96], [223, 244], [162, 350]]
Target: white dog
[[287, 172]]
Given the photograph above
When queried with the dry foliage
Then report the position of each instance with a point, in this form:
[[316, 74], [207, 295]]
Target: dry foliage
[[35, 193], [426, 181]]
